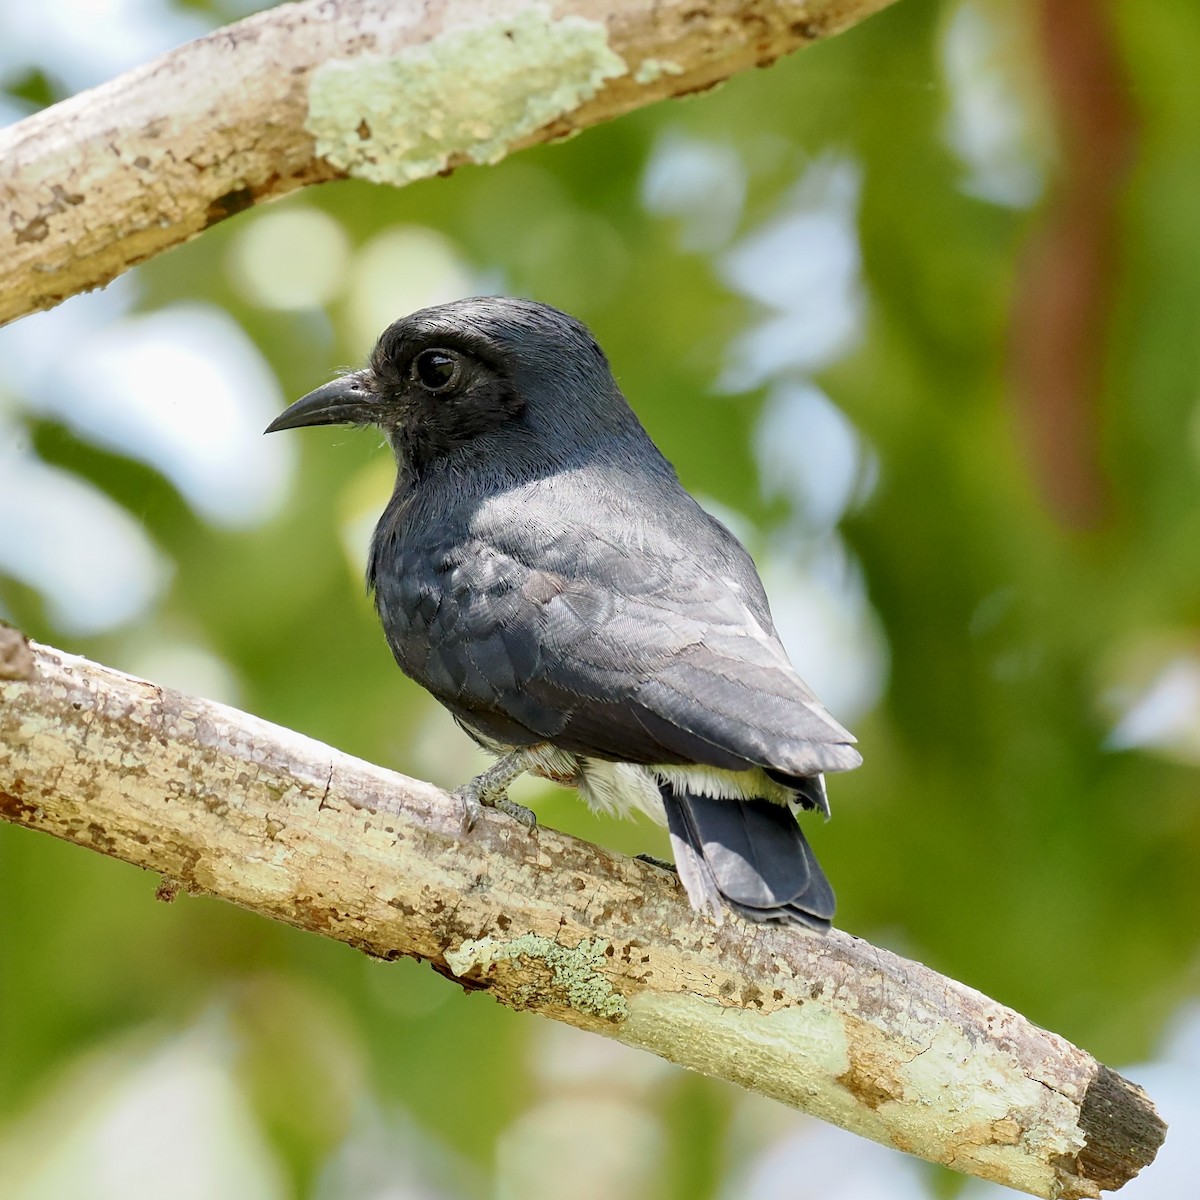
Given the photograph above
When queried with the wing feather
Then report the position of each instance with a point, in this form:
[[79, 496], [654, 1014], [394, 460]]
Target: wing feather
[[630, 648]]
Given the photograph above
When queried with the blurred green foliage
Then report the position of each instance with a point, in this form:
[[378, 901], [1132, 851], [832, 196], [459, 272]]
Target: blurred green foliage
[[992, 832]]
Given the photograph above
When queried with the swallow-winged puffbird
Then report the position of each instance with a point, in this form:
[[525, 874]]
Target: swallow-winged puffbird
[[541, 571]]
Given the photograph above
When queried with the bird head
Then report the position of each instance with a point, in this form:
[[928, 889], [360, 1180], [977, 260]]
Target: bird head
[[446, 377]]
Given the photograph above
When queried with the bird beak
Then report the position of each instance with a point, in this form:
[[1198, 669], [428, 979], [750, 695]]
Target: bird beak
[[345, 401]]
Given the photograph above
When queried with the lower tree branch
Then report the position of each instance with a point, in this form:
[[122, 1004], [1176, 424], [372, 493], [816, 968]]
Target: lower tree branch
[[225, 804]]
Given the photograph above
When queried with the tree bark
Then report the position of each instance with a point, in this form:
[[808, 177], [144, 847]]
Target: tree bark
[[225, 804], [327, 89]]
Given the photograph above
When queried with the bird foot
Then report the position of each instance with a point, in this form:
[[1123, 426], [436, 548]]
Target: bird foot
[[657, 862], [518, 812], [472, 802], [490, 790]]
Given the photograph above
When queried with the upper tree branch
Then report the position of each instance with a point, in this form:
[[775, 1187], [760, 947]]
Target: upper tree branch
[[226, 804], [390, 90]]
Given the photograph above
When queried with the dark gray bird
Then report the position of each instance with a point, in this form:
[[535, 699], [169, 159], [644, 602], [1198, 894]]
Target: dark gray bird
[[540, 570]]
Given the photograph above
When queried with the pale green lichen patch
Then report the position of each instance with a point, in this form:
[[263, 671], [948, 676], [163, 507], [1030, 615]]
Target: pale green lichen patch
[[575, 970], [650, 69], [470, 92]]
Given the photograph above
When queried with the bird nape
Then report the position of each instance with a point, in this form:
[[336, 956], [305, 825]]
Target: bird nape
[[541, 571]]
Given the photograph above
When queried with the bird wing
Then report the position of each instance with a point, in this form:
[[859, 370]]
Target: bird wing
[[609, 639]]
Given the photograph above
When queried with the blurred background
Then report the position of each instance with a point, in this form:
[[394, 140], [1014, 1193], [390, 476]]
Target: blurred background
[[917, 313]]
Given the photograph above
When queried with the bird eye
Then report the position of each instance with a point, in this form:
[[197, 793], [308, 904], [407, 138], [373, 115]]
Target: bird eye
[[436, 370]]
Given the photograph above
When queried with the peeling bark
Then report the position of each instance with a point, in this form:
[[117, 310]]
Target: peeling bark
[[222, 803], [323, 89]]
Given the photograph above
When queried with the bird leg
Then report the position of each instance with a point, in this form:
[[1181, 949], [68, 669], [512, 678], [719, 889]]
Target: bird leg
[[490, 789]]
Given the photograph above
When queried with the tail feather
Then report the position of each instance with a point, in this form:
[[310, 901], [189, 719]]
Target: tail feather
[[749, 855], [695, 873], [809, 789]]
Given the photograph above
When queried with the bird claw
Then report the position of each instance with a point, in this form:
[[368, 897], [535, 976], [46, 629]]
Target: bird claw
[[518, 812], [657, 862], [466, 796], [491, 789], [473, 798]]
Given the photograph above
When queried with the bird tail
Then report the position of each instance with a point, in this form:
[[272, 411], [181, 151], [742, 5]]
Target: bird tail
[[749, 855]]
